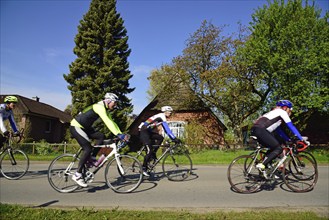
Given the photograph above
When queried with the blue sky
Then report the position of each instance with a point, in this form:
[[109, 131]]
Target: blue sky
[[37, 40]]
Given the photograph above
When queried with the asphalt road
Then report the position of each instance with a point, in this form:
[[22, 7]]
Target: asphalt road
[[206, 190]]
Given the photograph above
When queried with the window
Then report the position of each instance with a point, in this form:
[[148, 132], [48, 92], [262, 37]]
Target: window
[[48, 126], [177, 128]]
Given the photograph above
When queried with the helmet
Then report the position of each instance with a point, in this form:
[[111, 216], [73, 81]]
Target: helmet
[[166, 109], [284, 103], [9, 99], [111, 97]]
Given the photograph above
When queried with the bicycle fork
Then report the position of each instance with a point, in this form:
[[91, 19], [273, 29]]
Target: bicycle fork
[[11, 156]]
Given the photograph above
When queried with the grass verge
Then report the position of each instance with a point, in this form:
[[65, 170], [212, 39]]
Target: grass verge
[[18, 212]]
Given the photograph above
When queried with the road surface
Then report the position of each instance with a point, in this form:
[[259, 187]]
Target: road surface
[[206, 190]]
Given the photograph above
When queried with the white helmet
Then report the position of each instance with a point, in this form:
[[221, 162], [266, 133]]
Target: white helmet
[[111, 97], [166, 109]]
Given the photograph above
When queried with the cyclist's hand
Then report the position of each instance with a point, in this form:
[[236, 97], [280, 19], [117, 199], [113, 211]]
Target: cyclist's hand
[[124, 137], [177, 141], [6, 133], [307, 142], [17, 133]]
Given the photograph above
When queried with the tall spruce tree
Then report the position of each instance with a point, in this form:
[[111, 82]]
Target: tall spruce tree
[[101, 65]]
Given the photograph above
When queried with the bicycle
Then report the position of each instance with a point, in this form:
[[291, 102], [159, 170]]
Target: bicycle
[[123, 173], [176, 162], [298, 170], [14, 163]]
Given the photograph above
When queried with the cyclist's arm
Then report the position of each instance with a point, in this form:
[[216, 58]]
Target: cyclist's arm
[[13, 123], [282, 134], [168, 131], [108, 121], [291, 126]]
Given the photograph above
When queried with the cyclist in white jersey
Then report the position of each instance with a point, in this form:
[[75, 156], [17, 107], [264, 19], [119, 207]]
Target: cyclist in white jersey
[[6, 113], [270, 123], [149, 134]]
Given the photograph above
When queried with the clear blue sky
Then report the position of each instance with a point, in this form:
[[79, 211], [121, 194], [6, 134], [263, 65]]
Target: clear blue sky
[[37, 40]]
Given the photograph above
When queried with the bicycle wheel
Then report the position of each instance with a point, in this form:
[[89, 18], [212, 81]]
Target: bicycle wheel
[[126, 179], [302, 173], [14, 164], [177, 165], [243, 175], [60, 173]]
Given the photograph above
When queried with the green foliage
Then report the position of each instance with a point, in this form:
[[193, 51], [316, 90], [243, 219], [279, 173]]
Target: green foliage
[[43, 148], [101, 65], [289, 48], [194, 133]]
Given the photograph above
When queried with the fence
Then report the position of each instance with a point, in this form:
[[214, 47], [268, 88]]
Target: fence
[[46, 148]]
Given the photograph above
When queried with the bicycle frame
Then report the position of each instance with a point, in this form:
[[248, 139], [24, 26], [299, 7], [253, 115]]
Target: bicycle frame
[[168, 149], [114, 152]]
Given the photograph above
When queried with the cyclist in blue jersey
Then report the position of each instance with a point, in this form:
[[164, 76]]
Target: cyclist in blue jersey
[[270, 123], [6, 113], [150, 136], [82, 130]]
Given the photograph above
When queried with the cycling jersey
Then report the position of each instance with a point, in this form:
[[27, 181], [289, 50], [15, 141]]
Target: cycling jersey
[[155, 121], [273, 119], [6, 114], [89, 115]]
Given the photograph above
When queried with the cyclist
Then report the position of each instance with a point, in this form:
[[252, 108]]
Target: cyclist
[[6, 113], [150, 135], [82, 130], [270, 123]]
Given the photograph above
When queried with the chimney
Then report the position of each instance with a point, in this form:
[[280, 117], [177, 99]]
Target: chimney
[[36, 98]]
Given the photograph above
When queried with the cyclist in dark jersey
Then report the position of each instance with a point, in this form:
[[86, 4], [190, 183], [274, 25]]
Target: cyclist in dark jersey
[[150, 137], [270, 123], [6, 113], [82, 130]]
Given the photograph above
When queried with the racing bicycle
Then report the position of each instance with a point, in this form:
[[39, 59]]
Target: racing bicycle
[[297, 168], [176, 162], [14, 163], [123, 173]]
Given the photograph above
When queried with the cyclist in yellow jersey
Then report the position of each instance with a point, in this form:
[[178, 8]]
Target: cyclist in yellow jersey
[[82, 130]]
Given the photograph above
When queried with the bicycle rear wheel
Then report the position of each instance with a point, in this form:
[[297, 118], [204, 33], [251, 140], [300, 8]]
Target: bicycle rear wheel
[[302, 174], [14, 164], [60, 173], [127, 179], [177, 165], [243, 175]]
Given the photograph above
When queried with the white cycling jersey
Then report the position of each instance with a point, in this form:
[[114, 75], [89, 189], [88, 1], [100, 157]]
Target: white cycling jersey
[[6, 115]]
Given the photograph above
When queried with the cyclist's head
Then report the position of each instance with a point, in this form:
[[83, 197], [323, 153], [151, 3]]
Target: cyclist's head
[[110, 100], [10, 99], [285, 105], [167, 110]]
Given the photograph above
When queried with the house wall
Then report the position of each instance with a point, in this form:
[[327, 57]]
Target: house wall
[[40, 129]]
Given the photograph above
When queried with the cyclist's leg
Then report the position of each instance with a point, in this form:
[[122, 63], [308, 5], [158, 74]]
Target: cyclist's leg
[[156, 142], [99, 137], [146, 140], [2, 140], [81, 136], [267, 139]]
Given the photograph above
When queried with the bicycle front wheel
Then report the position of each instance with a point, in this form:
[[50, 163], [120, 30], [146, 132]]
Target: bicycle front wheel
[[123, 174], [243, 175], [60, 173], [177, 166], [302, 174], [14, 164]]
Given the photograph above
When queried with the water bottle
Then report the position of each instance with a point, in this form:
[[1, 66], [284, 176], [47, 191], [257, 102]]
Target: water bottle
[[100, 160]]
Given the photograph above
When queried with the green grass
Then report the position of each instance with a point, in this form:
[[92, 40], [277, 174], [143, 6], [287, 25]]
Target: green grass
[[26, 213], [214, 157]]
